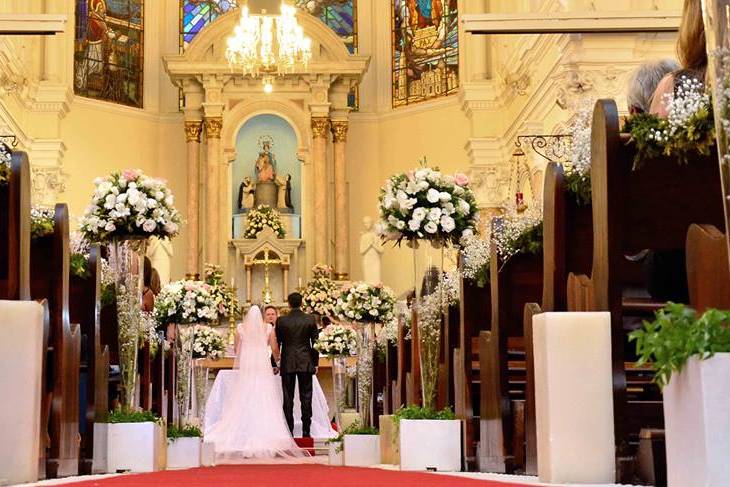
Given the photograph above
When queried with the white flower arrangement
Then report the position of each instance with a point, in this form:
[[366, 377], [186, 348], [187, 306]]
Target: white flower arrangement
[[364, 303], [228, 304], [426, 204], [186, 302], [128, 204], [337, 341], [6, 159], [148, 331], [207, 342], [260, 217], [387, 333], [475, 255], [580, 130], [41, 221], [519, 233], [321, 294], [721, 60]]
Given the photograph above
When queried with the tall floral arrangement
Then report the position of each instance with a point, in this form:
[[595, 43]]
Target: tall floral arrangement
[[320, 295], [128, 203], [426, 204], [228, 304], [186, 302], [365, 303], [337, 341], [260, 217], [204, 341]]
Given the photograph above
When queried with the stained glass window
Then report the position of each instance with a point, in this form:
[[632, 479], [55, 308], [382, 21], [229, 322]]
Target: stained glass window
[[425, 44], [109, 50], [196, 14]]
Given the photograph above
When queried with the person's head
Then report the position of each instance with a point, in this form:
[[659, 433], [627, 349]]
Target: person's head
[[295, 300], [644, 81], [155, 283], [271, 314], [691, 41]]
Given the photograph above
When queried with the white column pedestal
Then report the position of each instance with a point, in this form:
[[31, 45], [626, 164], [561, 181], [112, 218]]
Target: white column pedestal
[[573, 397]]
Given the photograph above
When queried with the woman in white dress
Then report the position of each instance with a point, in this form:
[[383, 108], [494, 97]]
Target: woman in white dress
[[321, 425], [252, 426]]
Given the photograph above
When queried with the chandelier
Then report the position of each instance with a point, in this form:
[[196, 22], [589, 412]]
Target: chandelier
[[266, 45]]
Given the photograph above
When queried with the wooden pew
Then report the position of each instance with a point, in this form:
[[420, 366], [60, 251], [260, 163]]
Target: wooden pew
[[15, 231], [84, 309], [501, 357], [708, 276], [449, 345], [474, 317], [50, 280], [390, 404], [567, 247], [650, 208]]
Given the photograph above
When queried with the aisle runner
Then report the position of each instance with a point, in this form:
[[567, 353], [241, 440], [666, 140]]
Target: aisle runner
[[283, 475]]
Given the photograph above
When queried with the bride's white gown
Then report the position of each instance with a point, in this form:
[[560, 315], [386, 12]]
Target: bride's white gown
[[252, 424]]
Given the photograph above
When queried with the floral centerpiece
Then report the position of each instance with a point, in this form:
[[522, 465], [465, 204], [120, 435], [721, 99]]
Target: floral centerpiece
[[366, 305], [475, 254], [321, 293], [260, 217], [185, 303], [206, 342], [337, 341], [518, 233], [41, 221], [687, 128], [228, 304]]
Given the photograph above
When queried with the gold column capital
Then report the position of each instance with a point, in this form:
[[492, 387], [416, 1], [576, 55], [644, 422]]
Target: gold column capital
[[320, 126], [213, 127], [193, 129], [339, 130]]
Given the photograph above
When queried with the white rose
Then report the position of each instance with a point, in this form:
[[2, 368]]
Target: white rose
[[149, 225], [435, 214], [419, 213], [433, 195], [444, 196], [430, 227], [110, 227], [448, 224]]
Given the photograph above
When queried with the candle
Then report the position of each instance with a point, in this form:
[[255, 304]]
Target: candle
[[233, 282], [300, 283]]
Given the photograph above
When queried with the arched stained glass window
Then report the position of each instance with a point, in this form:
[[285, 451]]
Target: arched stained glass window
[[196, 14]]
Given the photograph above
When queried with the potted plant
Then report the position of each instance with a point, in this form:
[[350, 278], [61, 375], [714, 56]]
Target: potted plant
[[361, 445], [183, 447], [428, 439], [691, 357], [136, 442]]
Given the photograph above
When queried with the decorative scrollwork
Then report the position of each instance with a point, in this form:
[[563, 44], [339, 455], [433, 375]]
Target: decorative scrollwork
[[554, 148]]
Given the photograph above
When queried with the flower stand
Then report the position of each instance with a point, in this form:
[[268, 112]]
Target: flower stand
[[430, 444], [362, 450], [389, 453], [136, 447], [207, 454], [183, 453], [697, 424], [335, 458]]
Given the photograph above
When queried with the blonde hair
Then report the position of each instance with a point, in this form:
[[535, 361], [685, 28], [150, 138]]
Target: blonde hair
[[691, 42]]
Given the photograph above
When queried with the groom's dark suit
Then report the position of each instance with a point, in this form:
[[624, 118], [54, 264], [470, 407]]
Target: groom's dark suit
[[296, 333]]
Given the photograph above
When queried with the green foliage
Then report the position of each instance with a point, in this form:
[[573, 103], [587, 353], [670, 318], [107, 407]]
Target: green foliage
[[530, 242], [121, 416], [418, 412], [355, 428], [187, 431], [41, 221], [676, 335], [79, 267], [640, 126], [579, 185], [107, 294]]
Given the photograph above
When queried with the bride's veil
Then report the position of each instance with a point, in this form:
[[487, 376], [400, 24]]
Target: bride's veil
[[252, 335]]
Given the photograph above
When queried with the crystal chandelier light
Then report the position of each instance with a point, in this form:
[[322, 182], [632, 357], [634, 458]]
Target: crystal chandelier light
[[265, 45]]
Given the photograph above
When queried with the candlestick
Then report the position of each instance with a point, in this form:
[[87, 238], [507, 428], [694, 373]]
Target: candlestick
[[300, 283], [232, 322]]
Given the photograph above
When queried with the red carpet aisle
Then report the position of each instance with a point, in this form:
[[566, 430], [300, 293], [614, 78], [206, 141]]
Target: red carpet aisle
[[288, 475]]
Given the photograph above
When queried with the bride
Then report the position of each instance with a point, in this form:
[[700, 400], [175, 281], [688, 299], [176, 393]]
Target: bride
[[252, 424]]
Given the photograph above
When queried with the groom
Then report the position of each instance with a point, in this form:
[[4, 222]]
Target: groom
[[296, 333]]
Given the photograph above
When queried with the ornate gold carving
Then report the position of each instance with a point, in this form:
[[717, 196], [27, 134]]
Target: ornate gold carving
[[193, 131], [320, 126], [213, 127], [339, 131], [341, 276]]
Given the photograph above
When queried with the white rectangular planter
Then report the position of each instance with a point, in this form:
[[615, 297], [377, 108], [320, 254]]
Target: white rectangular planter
[[697, 423], [574, 416], [207, 454], [136, 447], [430, 444], [362, 450], [335, 458], [183, 453], [101, 447]]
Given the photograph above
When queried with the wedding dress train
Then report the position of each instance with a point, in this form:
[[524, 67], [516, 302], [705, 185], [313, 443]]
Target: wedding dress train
[[252, 426]]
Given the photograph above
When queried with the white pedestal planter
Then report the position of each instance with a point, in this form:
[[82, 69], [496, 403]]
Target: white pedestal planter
[[136, 447], [428, 444], [335, 457], [183, 453], [697, 423], [574, 416], [207, 454], [101, 446], [362, 450]]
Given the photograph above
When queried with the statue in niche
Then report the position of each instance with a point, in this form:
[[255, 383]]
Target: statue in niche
[[266, 162], [371, 250], [246, 193], [287, 198]]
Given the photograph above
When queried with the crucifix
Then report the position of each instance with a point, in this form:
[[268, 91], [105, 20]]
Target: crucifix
[[32, 24], [266, 261]]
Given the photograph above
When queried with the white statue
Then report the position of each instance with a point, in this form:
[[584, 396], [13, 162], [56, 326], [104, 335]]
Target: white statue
[[160, 252], [371, 250]]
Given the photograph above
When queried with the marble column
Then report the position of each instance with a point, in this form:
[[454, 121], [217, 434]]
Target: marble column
[[320, 127], [342, 221], [193, 129], [213, 126]]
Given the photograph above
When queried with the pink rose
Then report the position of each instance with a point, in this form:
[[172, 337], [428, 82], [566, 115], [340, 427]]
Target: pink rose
[[130, 174], [461, 179]]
